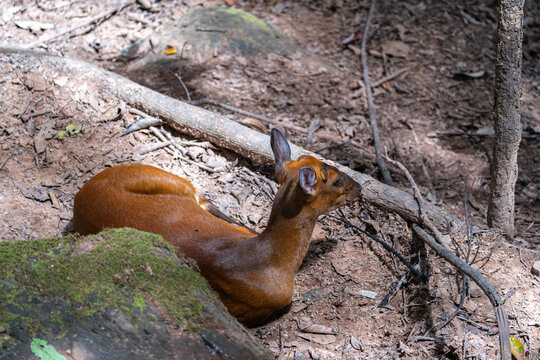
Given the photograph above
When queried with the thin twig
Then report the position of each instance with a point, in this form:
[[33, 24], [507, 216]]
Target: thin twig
[[488, 256], [483, 283], [436, 328], [465, 342], [344, 220], [465, 285], [247, 113], [210, 30], [34, 114], [70, 3], [371, 108], [386, 11], [394, 288], [28, 101], [255, 176], [416, 192], [268, 120], [429, 338], [103, 15], [4, 163], [184, 85], [389, 77], [474, 323], [171, 144]]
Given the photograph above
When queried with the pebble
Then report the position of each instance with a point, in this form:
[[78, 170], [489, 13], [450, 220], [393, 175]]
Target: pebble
[[475, 290]]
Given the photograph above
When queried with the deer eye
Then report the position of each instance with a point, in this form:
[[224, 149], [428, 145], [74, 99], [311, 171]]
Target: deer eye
[[338, 183]]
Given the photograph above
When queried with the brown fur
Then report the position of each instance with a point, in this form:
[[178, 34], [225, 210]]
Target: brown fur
[[253, 273]]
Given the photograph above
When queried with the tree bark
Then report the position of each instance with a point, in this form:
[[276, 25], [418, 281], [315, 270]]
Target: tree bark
[[225, 133], [507, 116]]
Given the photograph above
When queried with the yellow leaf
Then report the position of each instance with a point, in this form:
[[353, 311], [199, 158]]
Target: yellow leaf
[[517, 349], [170, 50]]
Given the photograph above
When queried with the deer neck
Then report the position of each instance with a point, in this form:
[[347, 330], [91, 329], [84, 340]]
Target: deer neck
[[289, 228]]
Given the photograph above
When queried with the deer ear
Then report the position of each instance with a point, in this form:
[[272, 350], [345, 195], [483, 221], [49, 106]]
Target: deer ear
[[308, 180], [281, 149]]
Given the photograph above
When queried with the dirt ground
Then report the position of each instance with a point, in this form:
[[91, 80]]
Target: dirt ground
[[432, 119]]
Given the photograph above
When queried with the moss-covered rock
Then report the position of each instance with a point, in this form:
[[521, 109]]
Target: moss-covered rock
[[214, 30], [120, 294]]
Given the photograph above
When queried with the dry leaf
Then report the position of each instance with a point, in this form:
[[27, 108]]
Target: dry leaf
[[35, 193], [170, 50], [46, 132], [254, 124], [313, 354], [55, 202], [355, 343], [319, 329], [318, 338], [298, 306], [517, 349], [396, 48], [35, 81]]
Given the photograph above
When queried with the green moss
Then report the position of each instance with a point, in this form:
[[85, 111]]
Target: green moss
[[122, 268], [250, 19], [138, 302]]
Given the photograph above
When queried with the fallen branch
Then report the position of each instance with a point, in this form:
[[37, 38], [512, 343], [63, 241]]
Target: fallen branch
[[489, 290], [462, 266], [371, 108], [276, 123], [225, 133], [247, 113], [389, 77]]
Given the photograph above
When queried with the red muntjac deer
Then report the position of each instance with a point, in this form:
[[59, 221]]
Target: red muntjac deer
[[252, 273]]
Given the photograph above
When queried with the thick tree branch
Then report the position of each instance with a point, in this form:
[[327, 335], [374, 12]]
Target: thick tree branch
[[223, 132]]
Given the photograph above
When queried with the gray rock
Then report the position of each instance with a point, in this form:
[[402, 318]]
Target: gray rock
[[120, 294]]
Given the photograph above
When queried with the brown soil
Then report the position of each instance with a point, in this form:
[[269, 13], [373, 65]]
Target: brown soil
[[439, 127]]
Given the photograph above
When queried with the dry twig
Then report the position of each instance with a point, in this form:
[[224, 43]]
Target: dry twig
[[247, 113], [371, 108], [174, 146], [389, 77], [463, 267], [184, 86], [28, 101]]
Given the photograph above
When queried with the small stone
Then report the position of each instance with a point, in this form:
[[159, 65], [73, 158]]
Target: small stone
[[368, 294], [536, 268], [475, 290]]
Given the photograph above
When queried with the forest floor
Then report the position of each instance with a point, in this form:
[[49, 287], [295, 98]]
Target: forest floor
[[432, 118]]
